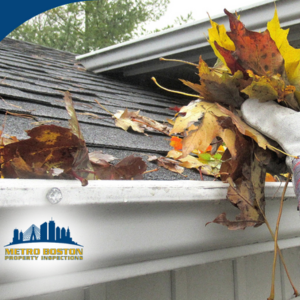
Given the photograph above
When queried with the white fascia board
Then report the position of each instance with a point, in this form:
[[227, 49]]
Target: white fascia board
[[185, 38]]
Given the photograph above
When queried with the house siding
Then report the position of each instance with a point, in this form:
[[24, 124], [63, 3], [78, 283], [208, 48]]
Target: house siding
[[240, 279]]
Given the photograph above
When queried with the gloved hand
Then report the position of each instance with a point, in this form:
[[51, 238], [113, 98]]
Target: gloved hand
[[280, 124]]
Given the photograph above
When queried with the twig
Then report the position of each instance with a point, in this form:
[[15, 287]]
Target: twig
[[150, 171], [279, 252], [176, 92], [103, 107], [200, 172], [272, 292]]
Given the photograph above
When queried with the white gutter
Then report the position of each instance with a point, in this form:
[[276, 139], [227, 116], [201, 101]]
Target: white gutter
[[186, 38], [131, 228]]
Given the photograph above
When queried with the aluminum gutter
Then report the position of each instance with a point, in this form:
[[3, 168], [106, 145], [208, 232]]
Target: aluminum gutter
[[118, 192], [186, 38]]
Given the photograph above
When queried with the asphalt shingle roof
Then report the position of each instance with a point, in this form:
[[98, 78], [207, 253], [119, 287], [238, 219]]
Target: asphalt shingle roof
[[33, 80]]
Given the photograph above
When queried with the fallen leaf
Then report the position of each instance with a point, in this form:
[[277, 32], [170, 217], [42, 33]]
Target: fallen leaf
[[81, 168], [98, 156], [49, 146], [167, 163], [176, 143], [130, 167], [126, 119], [208, 168]]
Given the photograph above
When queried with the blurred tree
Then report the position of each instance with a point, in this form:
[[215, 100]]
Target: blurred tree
[[81, 27]]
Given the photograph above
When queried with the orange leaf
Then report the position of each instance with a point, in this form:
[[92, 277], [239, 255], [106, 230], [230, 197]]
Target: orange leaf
[[176, 143], [254, 50]]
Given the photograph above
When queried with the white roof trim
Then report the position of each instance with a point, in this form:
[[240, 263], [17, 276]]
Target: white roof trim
[[185, 38]]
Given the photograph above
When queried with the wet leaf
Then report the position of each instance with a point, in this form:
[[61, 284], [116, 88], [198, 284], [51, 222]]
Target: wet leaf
[[48, 147], [192, 162], [73, 122], [194, 111]]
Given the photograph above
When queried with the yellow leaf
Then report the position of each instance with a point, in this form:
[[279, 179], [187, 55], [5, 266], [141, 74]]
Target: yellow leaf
[[201, 138], [290, 54], [270, 88], [245, 129], [218, 34], [194, 111], [190, 162], [261, 88]]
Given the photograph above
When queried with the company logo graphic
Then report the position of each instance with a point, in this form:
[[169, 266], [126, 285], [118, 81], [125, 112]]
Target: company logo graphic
[[46, 233]]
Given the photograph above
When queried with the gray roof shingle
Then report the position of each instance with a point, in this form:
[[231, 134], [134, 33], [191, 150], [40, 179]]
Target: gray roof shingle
[[33, 80]]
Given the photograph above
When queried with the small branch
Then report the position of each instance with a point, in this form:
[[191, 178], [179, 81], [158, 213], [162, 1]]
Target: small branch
[[272, 293]]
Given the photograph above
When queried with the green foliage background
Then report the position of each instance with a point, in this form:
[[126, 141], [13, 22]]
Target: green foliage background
[[82, 27]]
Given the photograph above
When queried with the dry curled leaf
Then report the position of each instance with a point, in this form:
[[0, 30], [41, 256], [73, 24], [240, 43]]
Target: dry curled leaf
[[126, 119], [167, 163]]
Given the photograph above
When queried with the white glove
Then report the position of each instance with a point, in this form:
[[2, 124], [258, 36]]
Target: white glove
[[280, 124]]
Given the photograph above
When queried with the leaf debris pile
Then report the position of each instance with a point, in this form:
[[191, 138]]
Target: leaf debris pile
[[250, 65]]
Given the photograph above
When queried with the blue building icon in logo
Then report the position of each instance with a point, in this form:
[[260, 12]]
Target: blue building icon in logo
[[46, 233]]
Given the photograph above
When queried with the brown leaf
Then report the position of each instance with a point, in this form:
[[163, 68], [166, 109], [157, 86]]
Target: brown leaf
[[73, 122], [217, 88], [167, 163], [129, 168], [231, 61], [82, 168], [48, 147], [246, 176]]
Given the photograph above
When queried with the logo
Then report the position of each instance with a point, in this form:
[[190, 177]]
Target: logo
[[46, 233]]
